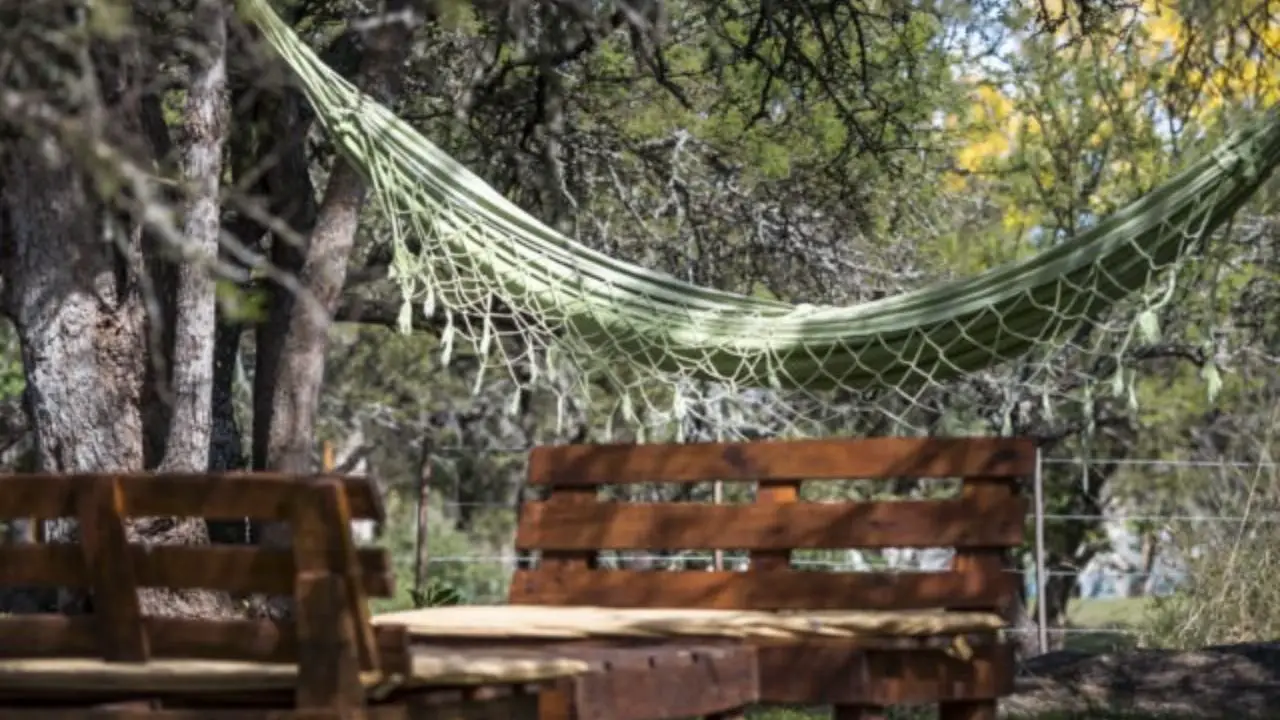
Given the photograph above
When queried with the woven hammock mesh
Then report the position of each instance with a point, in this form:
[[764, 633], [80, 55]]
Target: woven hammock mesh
[[668, 359]]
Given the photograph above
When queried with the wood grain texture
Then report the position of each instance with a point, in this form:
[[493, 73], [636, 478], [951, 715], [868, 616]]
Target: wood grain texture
[[774, 496], [328, 651], [961, 523], [577, 499], [763, 590], [345, 561], [988, 561], [670, 680], [232, 568], [330, 654], [49, 636], [260, 496], [421, 705], [117, 610], [838, 674], [859, 678], [827, 459]]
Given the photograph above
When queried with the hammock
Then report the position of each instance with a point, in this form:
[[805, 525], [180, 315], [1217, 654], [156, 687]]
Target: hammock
[[488, 264]]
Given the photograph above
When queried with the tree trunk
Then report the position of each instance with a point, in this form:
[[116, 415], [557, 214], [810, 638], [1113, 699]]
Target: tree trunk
[[191, 356], [79, 316], [1138, 583], [297, 373], [195, 319], [1056, 596], [1025, 636], [74, 272]]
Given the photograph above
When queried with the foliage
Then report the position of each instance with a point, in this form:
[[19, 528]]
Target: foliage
[[1231, 595], [11, 378], [1037, 127], [1063, 128], [449, 581], [835, 156]]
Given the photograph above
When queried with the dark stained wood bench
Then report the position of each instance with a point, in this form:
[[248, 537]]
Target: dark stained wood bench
[[325, 661], [963, 669]]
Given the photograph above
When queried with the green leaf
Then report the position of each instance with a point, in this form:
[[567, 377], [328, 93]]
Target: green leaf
[[246, 305]]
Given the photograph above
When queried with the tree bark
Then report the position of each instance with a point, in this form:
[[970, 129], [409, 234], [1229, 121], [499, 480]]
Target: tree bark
[[299, 373], [195, 322], [75, 285], [194, 317], [79, 316], [288, 182]]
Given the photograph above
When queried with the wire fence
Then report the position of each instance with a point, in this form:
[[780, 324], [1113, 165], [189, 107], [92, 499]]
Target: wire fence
[[1106, 549]]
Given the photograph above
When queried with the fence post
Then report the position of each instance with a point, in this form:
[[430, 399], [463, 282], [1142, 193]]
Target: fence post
[[422, 549], [1042, 610]]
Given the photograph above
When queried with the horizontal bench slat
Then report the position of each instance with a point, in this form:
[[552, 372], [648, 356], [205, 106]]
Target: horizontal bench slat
[[970, 522], [762, 590], [50, 636], [260, 496], [824, 459], [210, 567]]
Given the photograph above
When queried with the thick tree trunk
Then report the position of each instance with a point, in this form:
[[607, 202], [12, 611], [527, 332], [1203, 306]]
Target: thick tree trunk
[[73, 278], [79, 317], [226, 451]]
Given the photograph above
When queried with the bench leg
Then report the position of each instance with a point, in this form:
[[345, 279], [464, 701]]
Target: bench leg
[[859, 712], [967, 710], [556, 703]]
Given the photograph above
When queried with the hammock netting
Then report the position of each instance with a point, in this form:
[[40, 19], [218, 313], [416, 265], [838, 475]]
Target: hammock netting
[[665, 352]]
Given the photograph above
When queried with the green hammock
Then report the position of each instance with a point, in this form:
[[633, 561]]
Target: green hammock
[[480, 256]]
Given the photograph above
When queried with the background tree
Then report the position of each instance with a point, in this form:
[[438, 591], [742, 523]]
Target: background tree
[[793, 150]]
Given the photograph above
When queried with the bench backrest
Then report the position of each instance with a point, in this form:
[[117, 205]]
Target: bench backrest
[[573, 524], [328, 578]]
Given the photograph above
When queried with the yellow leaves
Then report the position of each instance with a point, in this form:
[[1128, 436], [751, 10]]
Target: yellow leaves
[[1021, 218], [991, 105], [975, 155], [1240, 41], [954, 182], [1164, 27], [989, 130]]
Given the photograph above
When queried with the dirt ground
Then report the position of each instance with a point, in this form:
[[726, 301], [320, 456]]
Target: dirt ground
[[1230, 681]]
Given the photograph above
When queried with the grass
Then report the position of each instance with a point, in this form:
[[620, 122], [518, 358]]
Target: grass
[[1107, 625], [1108, 612]]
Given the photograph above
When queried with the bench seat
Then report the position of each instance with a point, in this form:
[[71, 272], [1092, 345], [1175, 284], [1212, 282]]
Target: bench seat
[[575, 622], [460, 668]]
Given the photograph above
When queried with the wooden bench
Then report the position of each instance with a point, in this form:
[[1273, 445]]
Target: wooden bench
[[325, 661], [919, 638]]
